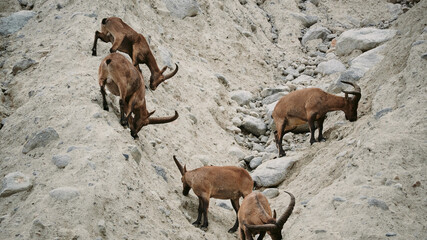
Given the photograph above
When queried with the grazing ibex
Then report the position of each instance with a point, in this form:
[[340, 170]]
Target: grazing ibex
[[124, 80], [207, 182], [311, 105], [125, 39], [255, 217]]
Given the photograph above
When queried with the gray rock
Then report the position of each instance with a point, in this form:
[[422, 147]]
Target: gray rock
[[241, 97], [303, 80], [291, 71], [377, 203], [61, 161], [160, 171], [182, 8], [258, 147], [22, 65], [255, 126], [271, 192], [272, 173], [102, 228], [64, 193], [136, 154], [270, 91], [273, 98], [254, 163], [222, 79], [15, 22], [363, 39], [424, 56], [315, 32], [166, 57], [383, 112], [330, 67], [224, 204], [13, 183], [236, 152], [390, 234], [40, 139], [339, 199], [358, 67], [305, 19]]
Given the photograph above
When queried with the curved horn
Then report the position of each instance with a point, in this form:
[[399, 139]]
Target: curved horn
[[263, 228], [172, 73], [356, 92], [282, 219], [181, 169], [160, 120]]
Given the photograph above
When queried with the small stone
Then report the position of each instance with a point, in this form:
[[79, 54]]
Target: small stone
[[339, 199], [271, 192], [64, 193], [22, 65], [236, 152], [15, 182], [126, 156], [160, 171], [61, 161], [320, 231], [101, 227], [390, 234], [424, 56], [40, 139], [416, 184], [241, 97], [222, 80], [166, 212], [377, 203], [136, 154], [254, 163]]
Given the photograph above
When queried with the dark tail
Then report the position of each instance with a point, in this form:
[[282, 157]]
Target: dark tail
[[104, 21]]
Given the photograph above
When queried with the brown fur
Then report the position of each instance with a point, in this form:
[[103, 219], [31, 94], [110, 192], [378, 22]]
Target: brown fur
[[311, 105], [226, 182], [124, 80], [125, 39], [255, 217]]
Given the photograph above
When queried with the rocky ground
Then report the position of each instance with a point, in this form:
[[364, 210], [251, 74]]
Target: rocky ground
[[71, 171]]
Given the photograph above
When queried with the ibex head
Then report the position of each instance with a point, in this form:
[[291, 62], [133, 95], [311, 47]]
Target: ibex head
[[182, 170], [157, 77], [352, 102]]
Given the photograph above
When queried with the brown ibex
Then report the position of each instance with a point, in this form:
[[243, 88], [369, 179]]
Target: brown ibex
[[124, 80], [207, 182], [311, 105], [255, 217], [125, 39]]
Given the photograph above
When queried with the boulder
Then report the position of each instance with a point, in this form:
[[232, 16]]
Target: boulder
[[15, 22], [241, 97], [363, 39], [272, 173], [315, 32], [13, 183], [254, 125], [330, 67], [182, 8]]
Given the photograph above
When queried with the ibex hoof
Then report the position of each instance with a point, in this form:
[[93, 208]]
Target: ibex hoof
[[204, 228], [196, 223], [321, 140], [124, 123], [106, 108], [93, 52]]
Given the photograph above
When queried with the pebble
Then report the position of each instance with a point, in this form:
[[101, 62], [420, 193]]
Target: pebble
[[378, 203], [64, 193], [15, 182], [61, 161], [271, 192], [40, 139], [160, 171]]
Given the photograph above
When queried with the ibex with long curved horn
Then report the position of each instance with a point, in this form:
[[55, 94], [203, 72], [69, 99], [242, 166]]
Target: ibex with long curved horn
[[124, 80], [311, 105], [255, 217], [126, 40], [207, 182]]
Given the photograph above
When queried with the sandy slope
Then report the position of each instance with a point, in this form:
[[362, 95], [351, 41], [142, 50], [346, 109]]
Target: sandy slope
[[383, 157]]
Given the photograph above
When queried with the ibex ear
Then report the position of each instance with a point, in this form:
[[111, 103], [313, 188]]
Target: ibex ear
[[185, 168], [274, 214], [151, 113], [163, 69]]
